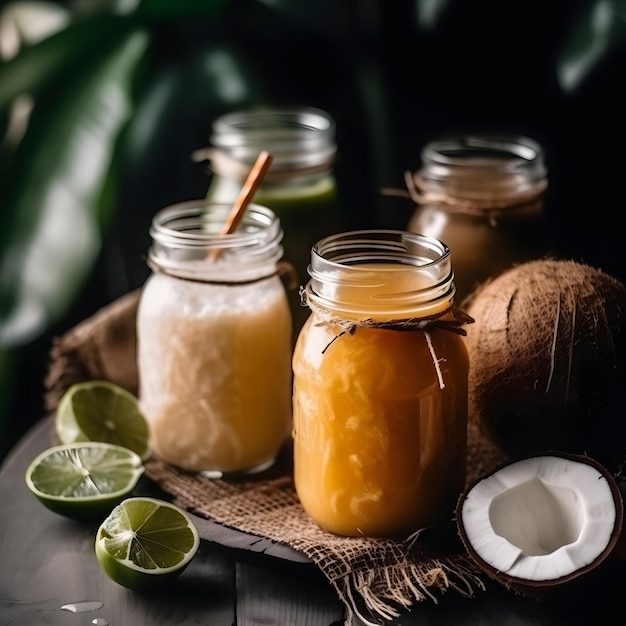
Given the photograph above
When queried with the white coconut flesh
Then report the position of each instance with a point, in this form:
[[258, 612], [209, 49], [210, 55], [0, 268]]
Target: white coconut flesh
[[540, 518]]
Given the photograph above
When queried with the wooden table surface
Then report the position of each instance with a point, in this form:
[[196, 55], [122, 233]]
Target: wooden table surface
[[48, 561]]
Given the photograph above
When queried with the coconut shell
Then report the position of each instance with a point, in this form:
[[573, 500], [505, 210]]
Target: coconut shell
[[576, 576], [548, 360]]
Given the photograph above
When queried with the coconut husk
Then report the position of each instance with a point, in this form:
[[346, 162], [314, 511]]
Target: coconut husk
[[548, 360], [374, 578]]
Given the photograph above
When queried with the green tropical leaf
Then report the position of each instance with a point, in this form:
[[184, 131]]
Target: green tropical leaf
[[176, 110], [171, 123], [597, 30], [51, 235], [38, 67]]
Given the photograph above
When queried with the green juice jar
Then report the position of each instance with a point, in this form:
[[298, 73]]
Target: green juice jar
[[300, 186]]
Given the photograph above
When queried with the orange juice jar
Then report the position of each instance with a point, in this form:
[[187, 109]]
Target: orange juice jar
[[380, 386]]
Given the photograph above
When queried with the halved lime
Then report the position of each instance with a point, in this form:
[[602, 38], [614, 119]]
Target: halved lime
[[146, 541], [84, 480], [98, 410]]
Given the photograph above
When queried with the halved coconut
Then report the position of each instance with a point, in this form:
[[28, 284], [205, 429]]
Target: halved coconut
[[542, 521]]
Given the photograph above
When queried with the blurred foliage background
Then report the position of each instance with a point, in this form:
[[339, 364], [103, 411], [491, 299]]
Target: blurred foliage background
[[103, 102]]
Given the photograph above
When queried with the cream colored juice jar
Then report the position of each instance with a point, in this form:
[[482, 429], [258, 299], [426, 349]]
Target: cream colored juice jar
[[380, 386], [214, 340]]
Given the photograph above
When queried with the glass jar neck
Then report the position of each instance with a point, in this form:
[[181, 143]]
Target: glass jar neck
[[186, 243], [380, 275], [300, 139], [477, 173]]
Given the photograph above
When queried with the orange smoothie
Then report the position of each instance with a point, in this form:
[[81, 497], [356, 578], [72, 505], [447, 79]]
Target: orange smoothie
[[380, 415]]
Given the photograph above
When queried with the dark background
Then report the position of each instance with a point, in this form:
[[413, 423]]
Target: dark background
[[394, 75]]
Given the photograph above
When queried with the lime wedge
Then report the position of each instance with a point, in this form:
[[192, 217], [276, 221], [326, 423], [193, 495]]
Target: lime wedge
[[99, 410], [144, 542], [83, 480]]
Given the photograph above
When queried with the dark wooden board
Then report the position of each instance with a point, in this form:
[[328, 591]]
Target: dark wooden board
[[48, 561]]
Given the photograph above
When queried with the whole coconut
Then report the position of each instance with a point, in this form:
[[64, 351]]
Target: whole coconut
[[548, 360]]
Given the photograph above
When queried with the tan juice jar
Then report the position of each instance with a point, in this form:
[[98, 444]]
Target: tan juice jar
[[380, 386], [484, 197], [300, 186], [214, 340]]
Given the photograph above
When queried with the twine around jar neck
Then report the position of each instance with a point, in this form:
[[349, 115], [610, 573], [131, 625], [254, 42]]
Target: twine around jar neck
[[451, 319], [300, 138], [490, 208], [222, 164], [482, 176]]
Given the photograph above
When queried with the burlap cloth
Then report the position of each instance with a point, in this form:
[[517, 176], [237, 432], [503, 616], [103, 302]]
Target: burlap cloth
[[375, 578]]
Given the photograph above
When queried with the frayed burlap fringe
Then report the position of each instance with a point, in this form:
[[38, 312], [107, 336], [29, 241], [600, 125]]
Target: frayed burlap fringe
[[385, 591], [376, 579]]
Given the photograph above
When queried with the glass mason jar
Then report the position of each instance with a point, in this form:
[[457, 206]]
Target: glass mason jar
[[380, 386], [300, 186], [214, 340], [483, 197]]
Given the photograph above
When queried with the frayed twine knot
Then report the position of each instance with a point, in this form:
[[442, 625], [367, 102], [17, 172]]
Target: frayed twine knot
[[451, 319]]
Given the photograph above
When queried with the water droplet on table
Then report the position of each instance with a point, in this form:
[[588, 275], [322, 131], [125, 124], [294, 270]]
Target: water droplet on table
[[82, 607]]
